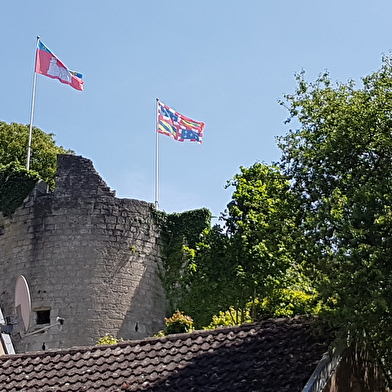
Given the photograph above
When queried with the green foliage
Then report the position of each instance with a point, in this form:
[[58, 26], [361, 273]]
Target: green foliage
[[210, 269], [13, 148], [213, 279], [250, 254], [325, 211], [259, 222], [230, 317], [179, 233], [177, 323], [132, 248], [339, 162], [108, 339], [15, 184], [288, 303]]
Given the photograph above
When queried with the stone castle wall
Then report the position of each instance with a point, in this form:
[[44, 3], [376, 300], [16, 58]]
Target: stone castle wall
[[87, 256]]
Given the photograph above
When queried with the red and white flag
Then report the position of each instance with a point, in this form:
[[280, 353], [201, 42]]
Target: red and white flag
[[46, 63]]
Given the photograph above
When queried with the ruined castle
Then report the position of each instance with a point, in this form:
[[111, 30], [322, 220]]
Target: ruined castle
[[88, 257]]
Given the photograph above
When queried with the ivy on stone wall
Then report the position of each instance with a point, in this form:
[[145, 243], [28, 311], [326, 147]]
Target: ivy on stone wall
[[179, 232], [15, 184]]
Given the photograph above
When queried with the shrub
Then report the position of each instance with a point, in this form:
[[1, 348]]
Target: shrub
[[230, 318], [288, 303], [108, 339], [178, 323]]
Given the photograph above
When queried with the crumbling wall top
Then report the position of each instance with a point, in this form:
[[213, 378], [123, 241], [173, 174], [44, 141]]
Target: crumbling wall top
[[76, 176]]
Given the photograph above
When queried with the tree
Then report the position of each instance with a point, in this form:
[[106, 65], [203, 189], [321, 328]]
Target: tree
[[16, 183], [13, 148], [259, 221], [250, 254], [339, 162]]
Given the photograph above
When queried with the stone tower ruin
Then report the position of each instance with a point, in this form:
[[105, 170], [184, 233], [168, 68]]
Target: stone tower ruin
[[88, 257]]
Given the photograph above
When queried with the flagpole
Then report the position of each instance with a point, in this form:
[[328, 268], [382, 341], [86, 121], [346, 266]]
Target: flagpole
[[32, 109], [156, 155]]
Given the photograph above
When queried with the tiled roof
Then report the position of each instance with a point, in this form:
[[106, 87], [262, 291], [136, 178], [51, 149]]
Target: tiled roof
[[274, 355]]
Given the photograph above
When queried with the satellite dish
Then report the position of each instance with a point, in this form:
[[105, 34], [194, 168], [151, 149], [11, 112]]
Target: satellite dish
[[19, 323], [23, 301]]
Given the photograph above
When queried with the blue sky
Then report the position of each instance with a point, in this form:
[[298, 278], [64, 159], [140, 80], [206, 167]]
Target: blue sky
[[226, 63]]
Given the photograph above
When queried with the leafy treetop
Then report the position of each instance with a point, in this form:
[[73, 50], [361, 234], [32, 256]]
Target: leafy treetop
[[13, 148], [339, 161]]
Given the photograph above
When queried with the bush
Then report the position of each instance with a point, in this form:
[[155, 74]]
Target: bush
[[108, 339], [16, 183], [288, 303], [178, 323], [230, 318], [281, 303]]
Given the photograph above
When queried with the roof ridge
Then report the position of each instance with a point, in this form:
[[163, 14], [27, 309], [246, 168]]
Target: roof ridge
[[168, 338]]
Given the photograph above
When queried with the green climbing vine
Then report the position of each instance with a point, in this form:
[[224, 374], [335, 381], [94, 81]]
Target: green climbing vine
[[180, 232], [15, 184]]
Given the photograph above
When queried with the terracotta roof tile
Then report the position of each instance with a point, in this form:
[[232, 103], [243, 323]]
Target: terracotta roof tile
[[275, 355]]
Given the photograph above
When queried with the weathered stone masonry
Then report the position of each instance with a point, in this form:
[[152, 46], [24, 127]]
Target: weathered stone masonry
[[88, 257]]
